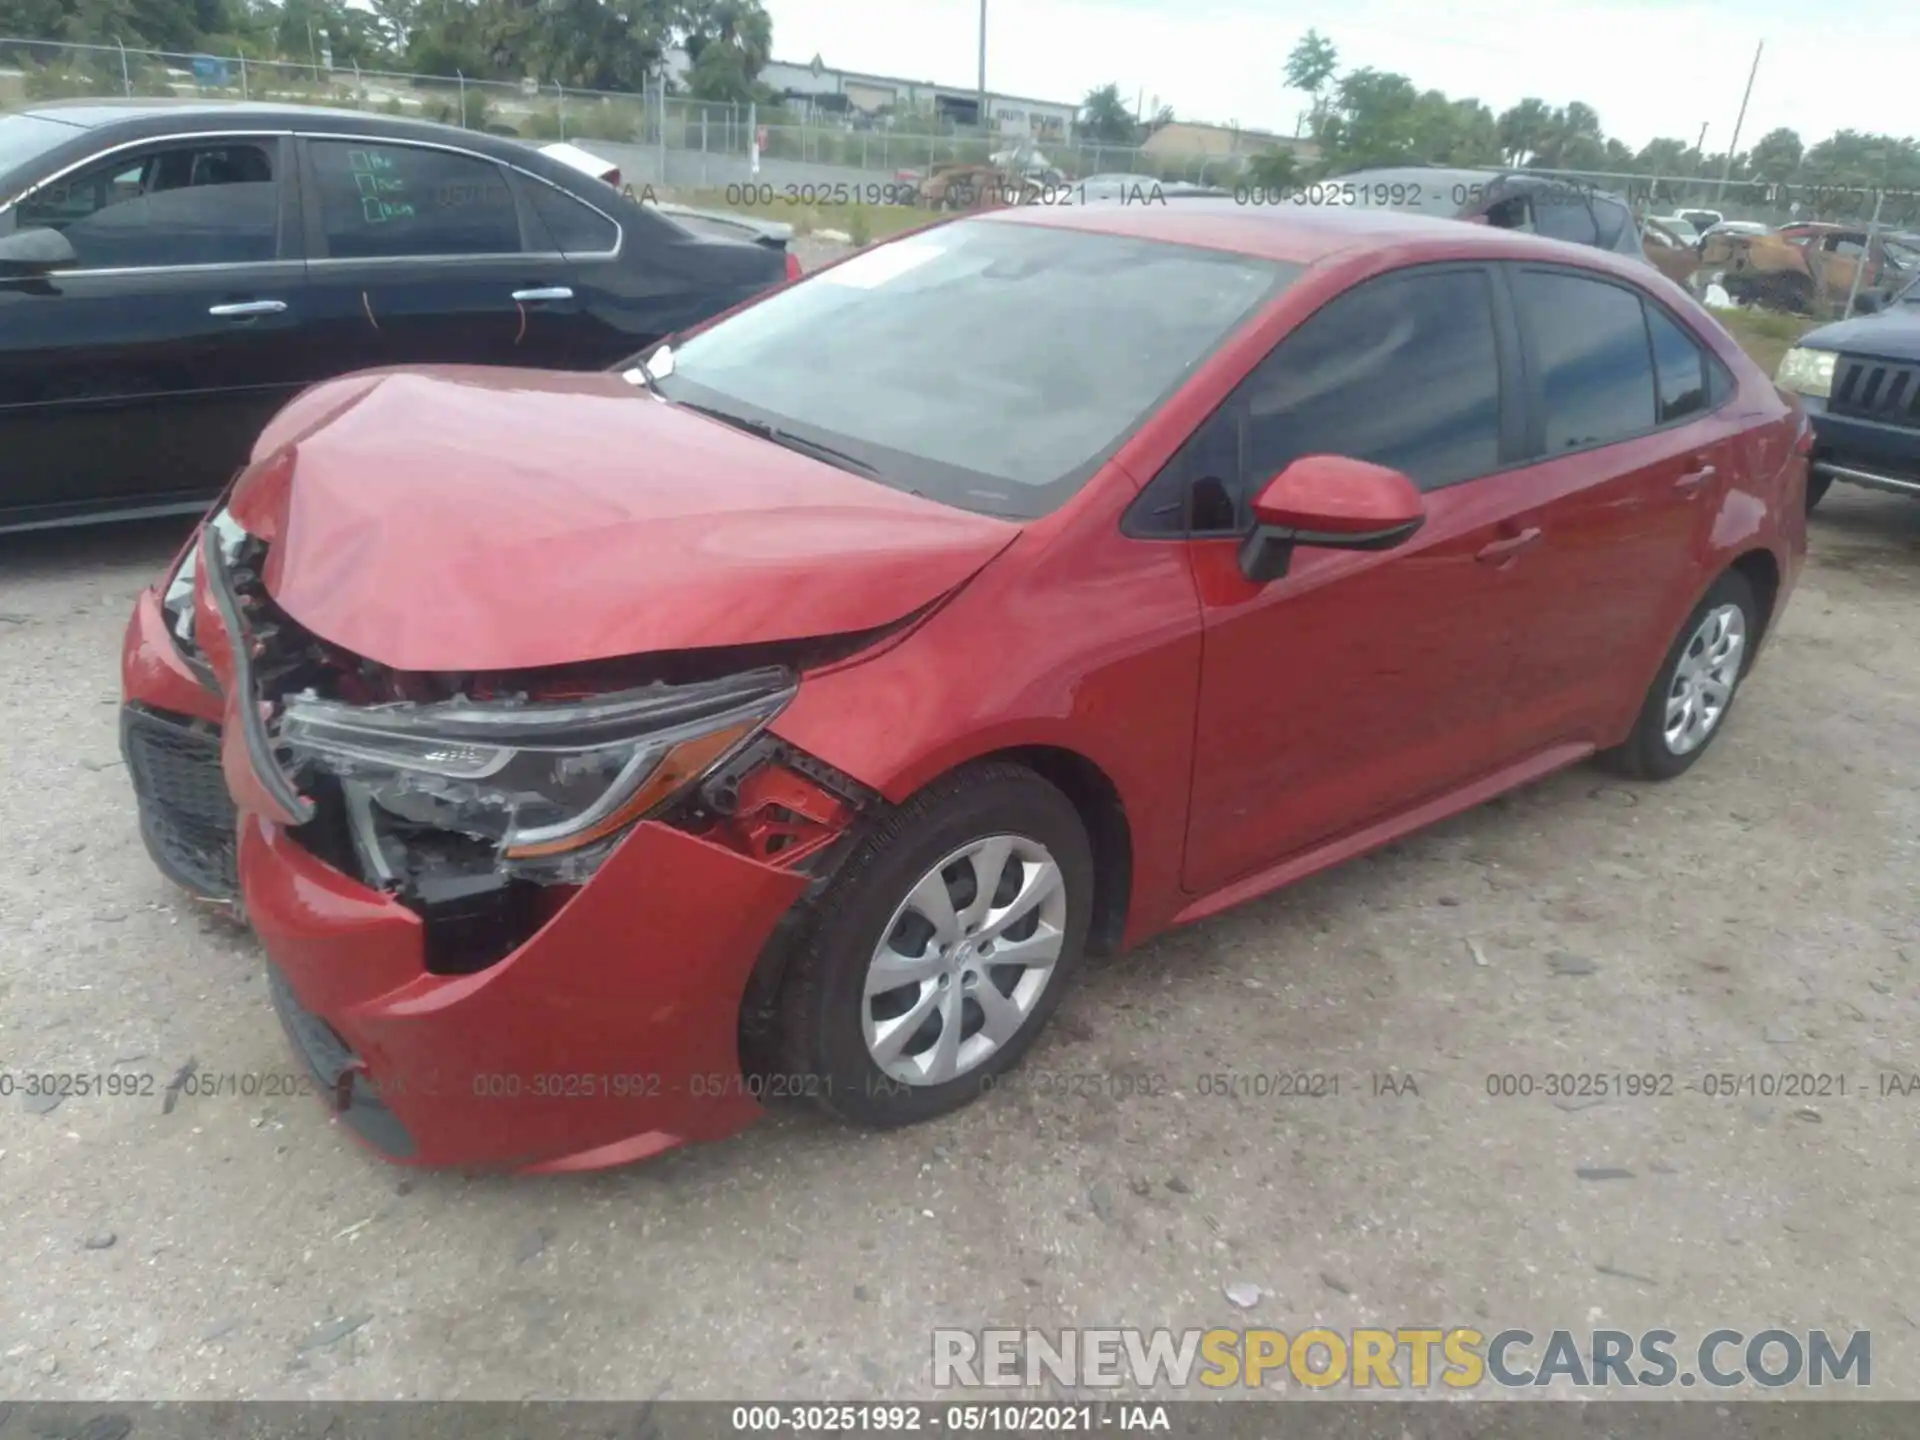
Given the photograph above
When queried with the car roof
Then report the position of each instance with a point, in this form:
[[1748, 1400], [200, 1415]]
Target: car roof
[[136, 118], [1303, 234]]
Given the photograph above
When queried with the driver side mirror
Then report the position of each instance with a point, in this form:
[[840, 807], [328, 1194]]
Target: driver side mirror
[[1331, 502], [27, 253]]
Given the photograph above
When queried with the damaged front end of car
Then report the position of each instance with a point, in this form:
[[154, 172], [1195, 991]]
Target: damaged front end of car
[[483, 801]]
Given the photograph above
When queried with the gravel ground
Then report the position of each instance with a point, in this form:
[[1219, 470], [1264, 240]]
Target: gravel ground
[[1756, 916]]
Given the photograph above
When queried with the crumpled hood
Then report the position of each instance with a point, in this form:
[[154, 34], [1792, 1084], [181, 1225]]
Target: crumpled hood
[[481, 519], [1892, 334]]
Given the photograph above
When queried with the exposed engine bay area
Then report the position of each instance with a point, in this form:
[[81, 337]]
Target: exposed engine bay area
[[482, 801]]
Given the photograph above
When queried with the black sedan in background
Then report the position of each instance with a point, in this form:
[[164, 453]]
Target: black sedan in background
[[171, 273]]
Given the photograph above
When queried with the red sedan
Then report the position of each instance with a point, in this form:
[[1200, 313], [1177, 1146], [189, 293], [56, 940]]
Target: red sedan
[[792, 714]]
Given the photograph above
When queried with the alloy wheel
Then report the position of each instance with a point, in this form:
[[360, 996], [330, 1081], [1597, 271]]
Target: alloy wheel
[[1703, 681], [964, 960]]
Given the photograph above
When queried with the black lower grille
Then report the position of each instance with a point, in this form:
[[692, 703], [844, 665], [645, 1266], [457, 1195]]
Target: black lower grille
[[337, 1071], [1887, 390], [186, 815]]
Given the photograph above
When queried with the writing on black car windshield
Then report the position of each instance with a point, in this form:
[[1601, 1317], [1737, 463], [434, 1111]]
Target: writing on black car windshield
[[988, 365]]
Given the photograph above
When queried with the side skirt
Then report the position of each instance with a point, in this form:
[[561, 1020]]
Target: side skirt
[[1382, 832]]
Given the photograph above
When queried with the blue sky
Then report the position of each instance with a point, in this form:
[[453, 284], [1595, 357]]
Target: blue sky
[[1648, 68]]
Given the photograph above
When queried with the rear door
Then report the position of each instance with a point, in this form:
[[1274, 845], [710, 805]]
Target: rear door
[[425, 254], [140, 377], [1634, 453]]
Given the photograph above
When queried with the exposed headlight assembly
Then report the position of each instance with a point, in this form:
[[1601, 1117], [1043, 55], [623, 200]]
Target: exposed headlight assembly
[[537, 779], [176, 601], [1807, 372]]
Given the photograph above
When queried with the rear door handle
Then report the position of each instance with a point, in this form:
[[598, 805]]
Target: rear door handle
[[1693, 480], [1496, 551], [241, 309], [545, 292]]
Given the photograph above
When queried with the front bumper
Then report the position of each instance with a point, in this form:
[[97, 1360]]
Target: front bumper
[[1872, 453], [609, 1036]]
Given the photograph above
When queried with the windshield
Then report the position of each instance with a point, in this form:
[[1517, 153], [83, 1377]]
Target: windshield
[[23, 138], [987, 365]]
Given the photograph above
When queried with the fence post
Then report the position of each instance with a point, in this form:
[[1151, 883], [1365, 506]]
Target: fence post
[[243, 77], [461, 77], [359, 92], [126, 80], [663, 129], [703, 129], [560, 106], [1860, 266]]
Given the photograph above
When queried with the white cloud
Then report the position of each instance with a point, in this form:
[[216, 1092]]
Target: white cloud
[[1649, 69]]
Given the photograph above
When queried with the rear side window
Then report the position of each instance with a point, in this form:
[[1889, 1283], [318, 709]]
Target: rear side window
[[1563, 213], [1596, 370], [382, 201], [1402, 371], [574, 228], [206, 204], [1679, 369]]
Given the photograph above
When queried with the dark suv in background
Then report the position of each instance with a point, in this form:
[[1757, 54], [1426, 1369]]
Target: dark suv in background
[[1860, 382], [1546, 205], [171, 273]]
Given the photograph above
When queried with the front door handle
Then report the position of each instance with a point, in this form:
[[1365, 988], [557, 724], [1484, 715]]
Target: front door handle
[[241, 309], [545, 292], [1497, 551], [1693, 480]]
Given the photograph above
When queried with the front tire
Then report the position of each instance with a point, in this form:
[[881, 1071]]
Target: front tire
[[941, 948], [1687, 704]]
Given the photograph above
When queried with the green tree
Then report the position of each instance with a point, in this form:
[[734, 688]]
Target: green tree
[[1524, 129], [1105, 118], [1310, 67], [1776, 155]]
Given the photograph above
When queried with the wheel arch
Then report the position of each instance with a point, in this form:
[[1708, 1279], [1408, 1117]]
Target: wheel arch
[[1761, 569]]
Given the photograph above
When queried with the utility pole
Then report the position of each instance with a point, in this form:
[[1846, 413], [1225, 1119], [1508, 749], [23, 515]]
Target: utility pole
[[983, 71], [1727, 169]]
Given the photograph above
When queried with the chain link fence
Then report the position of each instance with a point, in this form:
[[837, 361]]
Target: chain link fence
[[691, 141]]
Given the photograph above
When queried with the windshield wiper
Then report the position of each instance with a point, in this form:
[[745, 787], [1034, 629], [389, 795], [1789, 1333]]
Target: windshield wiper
[[639, 368], [787, 439]]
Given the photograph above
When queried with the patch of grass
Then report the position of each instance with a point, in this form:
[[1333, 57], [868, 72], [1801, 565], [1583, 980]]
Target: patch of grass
[[1765, 335]]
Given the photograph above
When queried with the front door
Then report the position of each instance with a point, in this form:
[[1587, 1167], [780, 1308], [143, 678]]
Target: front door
[[423, 254], [1360, 682], [139, 377]]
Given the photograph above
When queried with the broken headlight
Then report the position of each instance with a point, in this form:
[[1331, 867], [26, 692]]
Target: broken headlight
[[536, 779]]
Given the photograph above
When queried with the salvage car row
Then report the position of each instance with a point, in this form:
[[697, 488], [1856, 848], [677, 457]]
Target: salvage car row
[[811, 693]]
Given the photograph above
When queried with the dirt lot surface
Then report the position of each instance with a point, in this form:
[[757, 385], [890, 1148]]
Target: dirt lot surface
[[1757, 916]]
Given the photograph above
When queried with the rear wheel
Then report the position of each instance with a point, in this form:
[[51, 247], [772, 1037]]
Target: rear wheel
[[941, 948], [1687, 704]]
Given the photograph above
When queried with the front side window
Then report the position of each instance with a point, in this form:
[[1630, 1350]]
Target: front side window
[[214, 203], [987, 364], [1402, 371], [1596, 373], [386, 201]]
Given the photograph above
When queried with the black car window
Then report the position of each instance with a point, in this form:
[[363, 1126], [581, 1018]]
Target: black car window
[[1596, 370], [1402, 371], [381, 200], [574, 228], [172, 205], [1563, 213], [1679, 369]]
